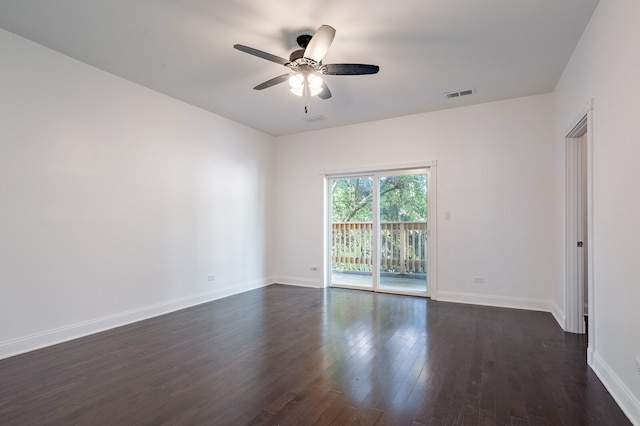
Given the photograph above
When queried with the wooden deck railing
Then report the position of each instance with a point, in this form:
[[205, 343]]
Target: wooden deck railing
[[403, 247]]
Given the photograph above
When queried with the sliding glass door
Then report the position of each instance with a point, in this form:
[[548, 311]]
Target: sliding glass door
[[352, 237], [378, 231], [403, 232]]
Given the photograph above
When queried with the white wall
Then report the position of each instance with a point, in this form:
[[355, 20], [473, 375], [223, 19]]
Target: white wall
[[605, 66], [498, 175], [117, 202]]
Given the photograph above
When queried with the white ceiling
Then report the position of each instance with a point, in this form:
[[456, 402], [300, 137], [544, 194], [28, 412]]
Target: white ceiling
[[184, 48]]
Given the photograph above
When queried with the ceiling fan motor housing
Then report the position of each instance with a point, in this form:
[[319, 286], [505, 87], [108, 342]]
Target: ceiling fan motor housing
[[296, 54], [303, 40]]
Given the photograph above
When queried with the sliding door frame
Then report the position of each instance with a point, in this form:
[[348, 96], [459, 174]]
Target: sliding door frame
[[375, 172]]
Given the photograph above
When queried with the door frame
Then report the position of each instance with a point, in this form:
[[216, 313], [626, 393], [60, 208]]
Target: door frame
[[432, 257], [574, 297]]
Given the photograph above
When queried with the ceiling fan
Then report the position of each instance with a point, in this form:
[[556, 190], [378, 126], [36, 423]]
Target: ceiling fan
[[307, 69]]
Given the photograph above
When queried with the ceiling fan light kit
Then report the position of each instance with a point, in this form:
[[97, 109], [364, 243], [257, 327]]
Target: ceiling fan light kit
[[306, 65], [306, 83]]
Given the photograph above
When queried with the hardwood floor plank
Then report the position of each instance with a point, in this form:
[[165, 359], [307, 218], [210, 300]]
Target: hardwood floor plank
[[296, 356]]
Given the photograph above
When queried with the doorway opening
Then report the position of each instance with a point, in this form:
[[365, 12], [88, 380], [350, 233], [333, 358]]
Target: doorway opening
[[379, 231], [579, 293]]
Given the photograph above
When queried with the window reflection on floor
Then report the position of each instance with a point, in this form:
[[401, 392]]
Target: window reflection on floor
[[384, 365]]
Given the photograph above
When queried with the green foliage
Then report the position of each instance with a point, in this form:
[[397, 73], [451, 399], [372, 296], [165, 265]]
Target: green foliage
[[402, 199], [352, 200]]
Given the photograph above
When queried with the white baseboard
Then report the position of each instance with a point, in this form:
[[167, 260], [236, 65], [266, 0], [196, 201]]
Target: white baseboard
[[618, 390], [74, 331], [299, 282], [559, 315], [498, 301]]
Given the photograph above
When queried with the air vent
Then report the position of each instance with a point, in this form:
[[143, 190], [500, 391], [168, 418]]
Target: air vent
[[314, 118], [459, 93]]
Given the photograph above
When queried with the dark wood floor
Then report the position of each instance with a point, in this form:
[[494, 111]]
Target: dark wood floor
[[288, 355]]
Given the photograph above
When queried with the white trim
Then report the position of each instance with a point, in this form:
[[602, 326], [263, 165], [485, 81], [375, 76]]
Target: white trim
[[326, 241], [381, 290], [579, 129], [558, 314], [352, 287], [74, 331], [574, 293], [299, 282], [326, 233], [497, 301], [629, 404], [576, 127], [590, 355], [591, 299], [347, 171], [432, 222]]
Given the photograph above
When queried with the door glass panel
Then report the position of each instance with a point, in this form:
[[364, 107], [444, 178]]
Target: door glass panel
[[352, 232], [403, 233]]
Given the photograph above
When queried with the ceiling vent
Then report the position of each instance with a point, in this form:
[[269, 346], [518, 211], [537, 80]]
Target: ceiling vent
[[459, 93], [314, 118]]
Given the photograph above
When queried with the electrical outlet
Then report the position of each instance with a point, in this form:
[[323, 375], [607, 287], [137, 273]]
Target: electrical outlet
[[211, 277], [478, 280], [638, 366]]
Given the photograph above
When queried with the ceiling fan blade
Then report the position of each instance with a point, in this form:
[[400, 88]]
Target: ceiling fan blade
[[261, 54], [320, 42], [276, 80], [326, 93], [349, 69]]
